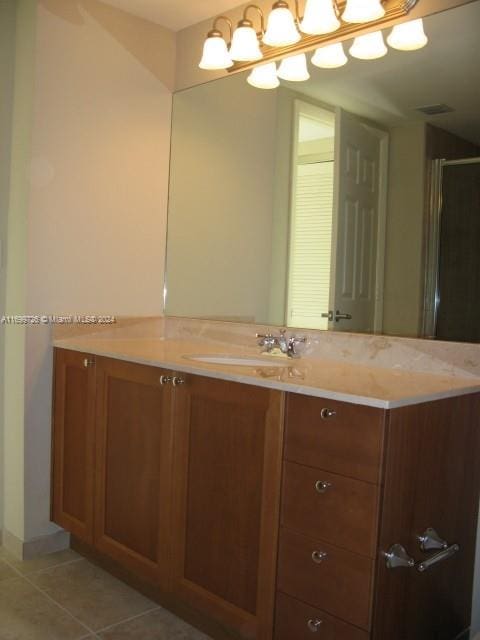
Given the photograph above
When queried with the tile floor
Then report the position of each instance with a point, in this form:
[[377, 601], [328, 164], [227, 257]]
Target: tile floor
[[62, 596]]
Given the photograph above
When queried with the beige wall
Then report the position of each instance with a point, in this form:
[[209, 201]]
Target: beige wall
[[15, 283], [7, 62], [97, 193], [404, 268]]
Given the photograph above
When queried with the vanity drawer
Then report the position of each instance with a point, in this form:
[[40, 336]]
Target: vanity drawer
[[340, 583], [295, 620], [338, 510], [336, 436]]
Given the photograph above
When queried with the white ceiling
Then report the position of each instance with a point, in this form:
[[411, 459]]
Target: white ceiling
[[174, 14]]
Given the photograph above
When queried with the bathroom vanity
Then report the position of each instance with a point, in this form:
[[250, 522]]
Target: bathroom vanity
[[265, 506]]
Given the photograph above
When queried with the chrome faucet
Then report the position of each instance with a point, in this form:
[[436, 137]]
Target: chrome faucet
[[269, 342]]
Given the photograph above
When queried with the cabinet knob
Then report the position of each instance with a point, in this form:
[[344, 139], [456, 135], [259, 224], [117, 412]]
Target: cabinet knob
[[319, 556], [164, 380], [313, 624], [321, 486], [88, 362], [326, 413], [177, 380]]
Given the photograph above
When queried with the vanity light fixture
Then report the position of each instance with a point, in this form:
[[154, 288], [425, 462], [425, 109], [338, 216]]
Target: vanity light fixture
[[369, 46], [331, 56], [264, 76], [363, 11], [281, 27], [294, 68], [288, 35], [408, 36], [215, 49], [245, 42], [320, 17]]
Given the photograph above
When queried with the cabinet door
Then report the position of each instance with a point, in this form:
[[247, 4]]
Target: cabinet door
[[227, 472], [132, 466], [73, 443], [431, 480]]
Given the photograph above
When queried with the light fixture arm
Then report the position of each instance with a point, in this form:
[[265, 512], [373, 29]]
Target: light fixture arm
[[260, 13], [216, 31]]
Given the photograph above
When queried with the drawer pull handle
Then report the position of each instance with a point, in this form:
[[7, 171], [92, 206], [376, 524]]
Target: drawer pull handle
[[164, 380], [321, 486], [438, 557], [88, 362], [319, 556], [178, 381], [313, 624], [325, 414]]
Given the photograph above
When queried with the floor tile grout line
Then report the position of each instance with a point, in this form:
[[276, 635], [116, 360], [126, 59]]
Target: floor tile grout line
[[49, 597], [138, 615], [53, 566]]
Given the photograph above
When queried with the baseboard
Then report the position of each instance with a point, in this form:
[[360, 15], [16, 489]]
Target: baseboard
[[26, 550]]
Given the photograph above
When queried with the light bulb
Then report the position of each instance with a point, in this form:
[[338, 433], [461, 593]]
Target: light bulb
[[319, 17], [264, 76], [363, 11], [369, 46], [294, 68], [331, 56], [215, 52], [281, 29], [408, 36], [245, 46]]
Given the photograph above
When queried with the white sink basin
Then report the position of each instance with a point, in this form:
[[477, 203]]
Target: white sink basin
[[239, 361]]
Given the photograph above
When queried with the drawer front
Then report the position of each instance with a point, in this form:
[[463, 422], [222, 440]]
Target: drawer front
[[338, 510], [339, 583], [296, 620], [349, 441]]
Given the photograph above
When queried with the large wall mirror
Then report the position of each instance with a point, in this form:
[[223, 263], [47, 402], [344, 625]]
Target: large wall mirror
[[349, 202]]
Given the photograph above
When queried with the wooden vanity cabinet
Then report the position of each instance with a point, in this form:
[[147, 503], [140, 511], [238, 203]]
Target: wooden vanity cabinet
[[257, 525], [73, 443]]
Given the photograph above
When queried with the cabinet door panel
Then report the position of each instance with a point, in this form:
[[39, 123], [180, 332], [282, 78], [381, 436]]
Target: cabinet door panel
[[133, 451], [227, 486], [432, 480], [73, 443]]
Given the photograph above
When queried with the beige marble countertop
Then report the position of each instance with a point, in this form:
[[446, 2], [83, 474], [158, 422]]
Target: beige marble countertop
[[335, 380]]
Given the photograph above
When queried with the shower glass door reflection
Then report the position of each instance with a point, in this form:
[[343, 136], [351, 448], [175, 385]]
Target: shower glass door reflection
[[458, 282]]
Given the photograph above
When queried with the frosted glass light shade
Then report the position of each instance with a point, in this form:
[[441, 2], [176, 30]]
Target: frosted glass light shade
[[294, 68], [369, 46], [264, 76], [363, 11], [330, 57], [281, 29], [215, 54], [319, 18], [408, 36], [245, 45]]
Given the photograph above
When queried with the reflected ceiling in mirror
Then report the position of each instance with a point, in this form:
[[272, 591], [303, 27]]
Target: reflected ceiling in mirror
[[349, 202]]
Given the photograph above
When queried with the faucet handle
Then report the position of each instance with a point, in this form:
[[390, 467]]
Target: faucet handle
[[292, 343]]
